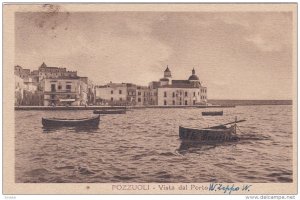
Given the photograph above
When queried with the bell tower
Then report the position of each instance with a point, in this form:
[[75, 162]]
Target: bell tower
[[167, 73]]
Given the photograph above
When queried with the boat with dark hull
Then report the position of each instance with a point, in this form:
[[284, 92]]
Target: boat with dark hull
[[82, 122], [106, 112], [220, 133], [208, 134], [212, 113]]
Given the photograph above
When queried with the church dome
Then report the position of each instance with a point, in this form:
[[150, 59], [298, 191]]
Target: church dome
[[193, 77]]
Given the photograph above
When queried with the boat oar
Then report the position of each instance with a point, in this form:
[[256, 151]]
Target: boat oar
[[242, 120]]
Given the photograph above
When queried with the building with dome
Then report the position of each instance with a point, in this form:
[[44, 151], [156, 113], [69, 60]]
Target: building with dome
[[167, 91], [164, 92]]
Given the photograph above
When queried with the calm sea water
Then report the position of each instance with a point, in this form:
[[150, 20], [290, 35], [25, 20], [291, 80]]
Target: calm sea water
[[143, 146]]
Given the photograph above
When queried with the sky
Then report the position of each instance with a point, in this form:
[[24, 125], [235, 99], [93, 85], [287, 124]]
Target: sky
[[236, 55]]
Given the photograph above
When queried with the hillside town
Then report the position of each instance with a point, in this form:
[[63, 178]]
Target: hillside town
[[56, 86]]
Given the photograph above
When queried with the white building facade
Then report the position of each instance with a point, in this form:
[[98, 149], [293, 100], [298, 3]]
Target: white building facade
[[64, 91], [180, 92], [111, 94]]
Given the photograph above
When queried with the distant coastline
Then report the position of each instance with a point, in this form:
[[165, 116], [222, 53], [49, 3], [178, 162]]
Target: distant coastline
[[248, 102]]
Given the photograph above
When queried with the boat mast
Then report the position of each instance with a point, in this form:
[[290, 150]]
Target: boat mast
[[235, 124]]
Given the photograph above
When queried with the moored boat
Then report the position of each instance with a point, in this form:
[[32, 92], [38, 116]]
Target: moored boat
[[84, 122], [212, 113], [216, 133], [115, 111], [208, 134]]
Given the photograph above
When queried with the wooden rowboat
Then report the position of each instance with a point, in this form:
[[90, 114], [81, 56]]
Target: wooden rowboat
[[86, 122], [215, 133], [208, 134], [214, 113], [115, 111]]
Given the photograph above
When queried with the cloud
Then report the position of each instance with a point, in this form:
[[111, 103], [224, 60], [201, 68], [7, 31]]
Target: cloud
[[263, 44]]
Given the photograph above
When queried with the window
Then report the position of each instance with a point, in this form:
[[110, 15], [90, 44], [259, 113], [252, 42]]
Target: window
[[173, 102], [180, 103], [186, 94], [165, 94], [59, 87], [112, 99], [194, 94], [68, 87], [173, 94], [120, 91], [139, 93], [111, 92], [120, 98], [139, 99], [194, 102], [198, 93], [185, 102], [52, 87], [165, 102]]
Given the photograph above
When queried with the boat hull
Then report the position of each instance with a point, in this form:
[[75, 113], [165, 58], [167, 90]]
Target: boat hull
[[212, 134], [86, 122], [212, 113], [109, 111]]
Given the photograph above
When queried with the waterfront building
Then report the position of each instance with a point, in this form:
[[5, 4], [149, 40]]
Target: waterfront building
[[25, 89], [30, 86], [54, 72], [153, 92], [22, 73], [111, 94], [131, 94], [64, 91], [35, 77], [19, 89], [91, 93], [142, 95], [52, 86], [178, 92]]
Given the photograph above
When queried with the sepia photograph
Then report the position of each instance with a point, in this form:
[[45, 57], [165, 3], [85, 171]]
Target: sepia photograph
[[150, 98]]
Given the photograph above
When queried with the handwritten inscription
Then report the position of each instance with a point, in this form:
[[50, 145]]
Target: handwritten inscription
[[227, 189]]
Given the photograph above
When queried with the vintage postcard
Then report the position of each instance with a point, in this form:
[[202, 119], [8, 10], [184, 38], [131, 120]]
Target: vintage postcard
[[150, 99]]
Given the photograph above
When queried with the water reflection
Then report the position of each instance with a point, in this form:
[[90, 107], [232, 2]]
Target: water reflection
[[196, 147], [74, 129]]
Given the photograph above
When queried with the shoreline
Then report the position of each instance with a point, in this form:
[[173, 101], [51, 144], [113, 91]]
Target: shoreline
[[128, 107], [109, 107]]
